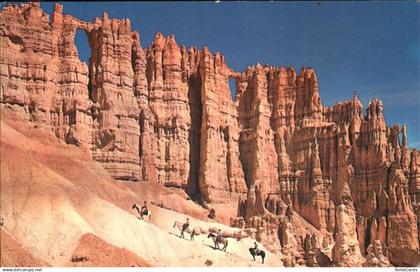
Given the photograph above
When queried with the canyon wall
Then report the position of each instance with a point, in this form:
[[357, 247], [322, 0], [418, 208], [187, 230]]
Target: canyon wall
[[165, 114]]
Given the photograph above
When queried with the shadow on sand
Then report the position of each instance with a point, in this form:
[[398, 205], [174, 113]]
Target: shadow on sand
[[177, 235]]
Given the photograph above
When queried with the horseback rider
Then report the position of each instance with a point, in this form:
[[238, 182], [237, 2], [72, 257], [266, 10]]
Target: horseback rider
[[255, 248], [185, 227], [218, 235], [144, 210], [257, 252]]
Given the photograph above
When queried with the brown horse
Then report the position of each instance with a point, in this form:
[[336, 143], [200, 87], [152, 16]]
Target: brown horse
[[216, 241], [259, 253]]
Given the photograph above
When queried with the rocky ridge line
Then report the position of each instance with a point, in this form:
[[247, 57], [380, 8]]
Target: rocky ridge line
[[165, 114]]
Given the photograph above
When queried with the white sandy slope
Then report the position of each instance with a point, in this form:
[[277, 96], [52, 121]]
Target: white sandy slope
[[53, 193]]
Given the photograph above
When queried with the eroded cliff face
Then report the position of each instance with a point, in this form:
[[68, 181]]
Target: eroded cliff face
[[165, 114]]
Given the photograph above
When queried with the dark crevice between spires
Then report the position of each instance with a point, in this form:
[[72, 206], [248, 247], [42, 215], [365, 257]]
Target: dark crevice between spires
[[194, 137]]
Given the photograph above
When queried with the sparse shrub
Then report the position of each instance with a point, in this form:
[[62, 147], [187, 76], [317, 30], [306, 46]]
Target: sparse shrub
[[77, 259], [212, 213]]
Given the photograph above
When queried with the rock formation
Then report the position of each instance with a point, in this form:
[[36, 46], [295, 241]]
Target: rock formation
[[346, 251], [376, 256], [164, 113]]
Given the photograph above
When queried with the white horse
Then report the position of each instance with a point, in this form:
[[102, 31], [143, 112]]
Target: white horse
[[192, 231], [216, 241], [148, 215]]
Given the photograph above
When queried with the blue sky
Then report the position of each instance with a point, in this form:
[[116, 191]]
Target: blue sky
[[369, 47]]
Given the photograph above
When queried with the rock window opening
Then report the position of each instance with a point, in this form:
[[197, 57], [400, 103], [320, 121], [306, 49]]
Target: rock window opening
[[84, 52], [82, 45]]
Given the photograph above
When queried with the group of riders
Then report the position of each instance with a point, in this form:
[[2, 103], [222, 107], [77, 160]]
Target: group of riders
[[218, 234], [144, 211]]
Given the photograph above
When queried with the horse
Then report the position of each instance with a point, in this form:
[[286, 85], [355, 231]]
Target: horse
[[216, 241], [192, 231], [149, 213], [259, 253]]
